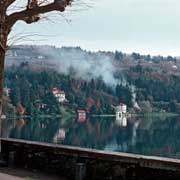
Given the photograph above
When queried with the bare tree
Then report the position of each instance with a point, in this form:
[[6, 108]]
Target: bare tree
[[30, 13]]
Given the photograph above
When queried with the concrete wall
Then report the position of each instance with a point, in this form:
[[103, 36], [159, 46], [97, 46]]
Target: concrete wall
[[80, 163]]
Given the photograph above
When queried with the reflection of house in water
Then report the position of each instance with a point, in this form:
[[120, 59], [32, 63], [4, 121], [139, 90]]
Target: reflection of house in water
[[121, 112], [60, 95], [20, 123], [60, 135], [81, 115], [122, 122]]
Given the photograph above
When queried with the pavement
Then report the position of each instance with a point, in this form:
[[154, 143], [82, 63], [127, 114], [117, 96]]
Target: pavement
[[13, 173], [9, 177]]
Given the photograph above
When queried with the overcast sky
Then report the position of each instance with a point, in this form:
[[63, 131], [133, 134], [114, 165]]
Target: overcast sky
[[144, 26]]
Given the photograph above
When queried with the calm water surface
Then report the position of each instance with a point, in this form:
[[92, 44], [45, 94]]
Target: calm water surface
[[159, 136]]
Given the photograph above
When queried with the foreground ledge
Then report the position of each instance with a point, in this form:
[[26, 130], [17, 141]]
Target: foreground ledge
[[114, 162]]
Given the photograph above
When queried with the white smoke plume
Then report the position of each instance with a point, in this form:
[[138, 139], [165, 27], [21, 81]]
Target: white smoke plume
[[85, 65], [133, 91]]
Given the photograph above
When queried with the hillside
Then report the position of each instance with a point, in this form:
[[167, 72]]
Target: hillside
[[92, 80]]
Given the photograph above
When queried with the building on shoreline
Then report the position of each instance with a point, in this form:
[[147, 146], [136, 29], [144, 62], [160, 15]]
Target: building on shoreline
[[121, 112], [81, 115]]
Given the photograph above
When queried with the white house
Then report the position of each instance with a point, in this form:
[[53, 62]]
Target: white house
[[121, 108], [81, 115], [60, 95], [121, 111], [55, 90]]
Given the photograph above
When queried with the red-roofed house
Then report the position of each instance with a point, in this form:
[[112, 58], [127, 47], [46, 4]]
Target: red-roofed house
[[81, 115], [20, 109]]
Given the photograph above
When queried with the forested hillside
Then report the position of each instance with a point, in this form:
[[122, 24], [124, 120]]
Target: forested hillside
[[92, 81]]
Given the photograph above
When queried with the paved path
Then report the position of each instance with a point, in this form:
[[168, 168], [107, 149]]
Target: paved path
[[12, 173], [9, 177]]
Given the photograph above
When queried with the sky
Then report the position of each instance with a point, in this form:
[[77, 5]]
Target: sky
[[143, 26]]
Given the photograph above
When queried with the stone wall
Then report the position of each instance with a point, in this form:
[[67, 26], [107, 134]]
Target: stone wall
[[79, 163]]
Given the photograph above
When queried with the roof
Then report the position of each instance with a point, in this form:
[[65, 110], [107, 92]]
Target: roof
[[121, 104], [61, 92], [55, 88], [81, 110]]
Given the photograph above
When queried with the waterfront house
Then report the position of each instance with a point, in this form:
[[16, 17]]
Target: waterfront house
[[121, 112], [81, 114], [20, 109], [121, 108]]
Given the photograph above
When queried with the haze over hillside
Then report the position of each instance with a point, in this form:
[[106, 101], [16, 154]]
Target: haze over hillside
[[87, 63], [150, 83]]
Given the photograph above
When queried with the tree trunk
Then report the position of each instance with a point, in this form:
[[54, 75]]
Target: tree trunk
[[4, 31], [2, 57], [3, 40]]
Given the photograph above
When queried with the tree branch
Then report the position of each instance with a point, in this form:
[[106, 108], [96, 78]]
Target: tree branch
[[29, 13], [7, 3]]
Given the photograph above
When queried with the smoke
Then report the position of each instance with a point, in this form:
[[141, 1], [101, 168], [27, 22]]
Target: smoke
[[82, 64], [132, 88], [87, 66], [133, 91]]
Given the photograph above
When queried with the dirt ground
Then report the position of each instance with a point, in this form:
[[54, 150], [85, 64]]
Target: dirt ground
[[11, 173]]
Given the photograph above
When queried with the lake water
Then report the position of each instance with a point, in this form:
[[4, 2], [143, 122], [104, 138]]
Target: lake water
[[150, 135]]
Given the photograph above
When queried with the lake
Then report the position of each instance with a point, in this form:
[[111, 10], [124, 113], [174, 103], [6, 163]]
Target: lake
[[155, 135]]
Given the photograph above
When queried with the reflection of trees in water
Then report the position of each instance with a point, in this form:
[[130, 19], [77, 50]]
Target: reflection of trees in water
[[95, 133], [161, 139], [36, 129], [158, 137], [7, 126], [89, 134]]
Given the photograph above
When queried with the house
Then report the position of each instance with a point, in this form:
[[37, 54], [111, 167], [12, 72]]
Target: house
[[121, 111], [55, 90], [81, 114], [60, 95], [6, 91], [121, 108], [40, 105], [20, 109]]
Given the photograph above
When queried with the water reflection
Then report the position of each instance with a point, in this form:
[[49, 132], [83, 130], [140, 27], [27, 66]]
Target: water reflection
[[151, 135]]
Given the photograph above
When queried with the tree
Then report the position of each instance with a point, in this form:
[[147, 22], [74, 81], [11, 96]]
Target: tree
[[118, 55], [29, 14]]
